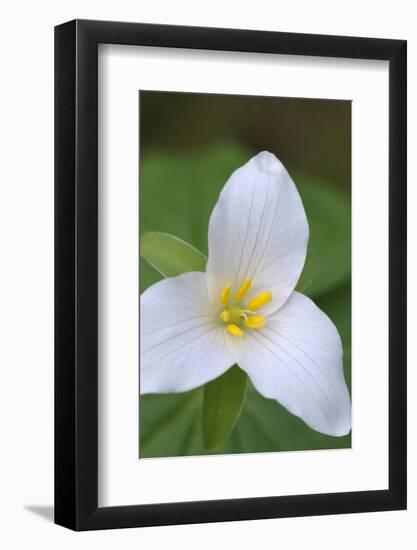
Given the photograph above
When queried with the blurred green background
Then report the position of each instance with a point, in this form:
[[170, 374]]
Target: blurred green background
[[189, 146]]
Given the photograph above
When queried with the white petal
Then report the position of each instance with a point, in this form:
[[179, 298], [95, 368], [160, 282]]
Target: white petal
[[258, 230], [182, 341], [297, 359]]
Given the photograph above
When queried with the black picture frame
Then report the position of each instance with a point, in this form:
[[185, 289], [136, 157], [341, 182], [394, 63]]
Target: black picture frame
[[76, 272]]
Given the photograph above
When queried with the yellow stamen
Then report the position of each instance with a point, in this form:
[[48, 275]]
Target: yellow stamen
[[255, 322], [243, 290], [225, 316], [260, 300], [225, 294], [235, 330]]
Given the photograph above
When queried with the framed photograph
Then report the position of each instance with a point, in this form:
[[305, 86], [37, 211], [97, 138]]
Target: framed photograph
[[230, 246]]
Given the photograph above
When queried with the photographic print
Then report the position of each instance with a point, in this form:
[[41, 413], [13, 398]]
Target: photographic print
[[245, 274]]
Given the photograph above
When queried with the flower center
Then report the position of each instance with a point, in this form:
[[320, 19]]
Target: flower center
[[236, 315]]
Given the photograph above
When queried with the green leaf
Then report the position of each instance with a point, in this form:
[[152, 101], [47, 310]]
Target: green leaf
[[222, 404], [178, 193], [328, 263], [170, 255], [170, 424]]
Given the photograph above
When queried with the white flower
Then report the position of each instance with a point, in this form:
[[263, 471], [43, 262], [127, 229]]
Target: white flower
[[245, 310]]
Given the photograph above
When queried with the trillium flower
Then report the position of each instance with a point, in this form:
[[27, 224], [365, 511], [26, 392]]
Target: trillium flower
[[244, 308]]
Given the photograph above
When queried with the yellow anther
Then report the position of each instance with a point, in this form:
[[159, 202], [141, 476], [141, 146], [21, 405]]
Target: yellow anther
[[225, 316], [255, 322], [235, 330], [225, 294], [260, 300], [243, 289]]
